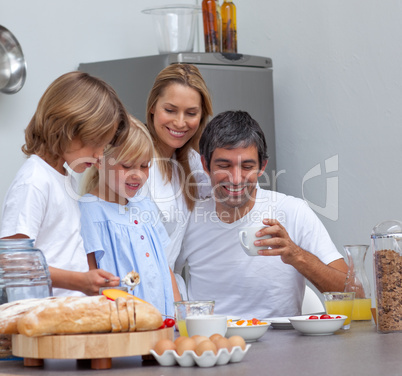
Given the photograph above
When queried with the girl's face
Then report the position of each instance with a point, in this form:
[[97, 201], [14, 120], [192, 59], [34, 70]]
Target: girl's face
[[177, 115], [79, 157], [120, 180]]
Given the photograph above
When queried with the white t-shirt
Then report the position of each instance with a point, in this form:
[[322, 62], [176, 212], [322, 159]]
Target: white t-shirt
[[250, 286], [170, 200], [41, 204]]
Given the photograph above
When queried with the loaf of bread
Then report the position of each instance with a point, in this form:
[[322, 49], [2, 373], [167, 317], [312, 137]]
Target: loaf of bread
[[11, 312], [69, 315], [72, 315]]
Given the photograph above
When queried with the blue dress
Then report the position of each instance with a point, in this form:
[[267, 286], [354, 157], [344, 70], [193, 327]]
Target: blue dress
[[126, 238]]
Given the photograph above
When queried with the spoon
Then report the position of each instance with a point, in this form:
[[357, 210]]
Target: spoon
[[131, 280]]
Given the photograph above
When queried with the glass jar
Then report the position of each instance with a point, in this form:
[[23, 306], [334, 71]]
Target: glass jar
[[387, 246], [229, 27], [357, 281], [24, 273]]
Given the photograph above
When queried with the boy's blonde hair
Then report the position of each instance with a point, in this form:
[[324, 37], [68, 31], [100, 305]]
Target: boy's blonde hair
[[75, 106], [137, 145], [187, 75]]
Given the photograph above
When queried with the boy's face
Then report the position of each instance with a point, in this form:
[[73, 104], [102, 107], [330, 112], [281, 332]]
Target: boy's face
[[122, 180], [80, 157]]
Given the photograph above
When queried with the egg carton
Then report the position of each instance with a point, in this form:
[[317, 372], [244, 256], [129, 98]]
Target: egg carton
[[207, 359]]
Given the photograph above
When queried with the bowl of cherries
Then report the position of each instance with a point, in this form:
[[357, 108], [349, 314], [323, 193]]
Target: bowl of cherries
[[318, 325]]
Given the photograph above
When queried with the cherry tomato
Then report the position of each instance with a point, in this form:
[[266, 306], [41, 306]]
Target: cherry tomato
[[162, 326], [169, 323], [313, 318], [325, 317], [338, 317]]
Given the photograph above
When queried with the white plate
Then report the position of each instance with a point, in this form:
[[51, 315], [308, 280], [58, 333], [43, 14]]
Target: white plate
[[208, 359], [317, 327], [279, 322]]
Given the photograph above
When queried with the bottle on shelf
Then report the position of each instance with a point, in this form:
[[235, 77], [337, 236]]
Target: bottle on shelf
[[211, 22], [229, 27]]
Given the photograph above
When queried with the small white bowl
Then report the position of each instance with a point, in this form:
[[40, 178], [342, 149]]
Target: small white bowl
[[249, 333], [317, 327], [206, 325]]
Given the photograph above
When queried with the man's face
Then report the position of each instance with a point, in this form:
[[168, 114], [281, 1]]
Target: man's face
[[234, 174]]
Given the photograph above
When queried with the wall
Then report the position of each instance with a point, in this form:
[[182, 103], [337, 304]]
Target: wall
[[337, 89]]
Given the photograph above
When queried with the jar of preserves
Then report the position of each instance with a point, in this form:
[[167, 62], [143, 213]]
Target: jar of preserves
[[24, 273], [212, 25], [229, 27]]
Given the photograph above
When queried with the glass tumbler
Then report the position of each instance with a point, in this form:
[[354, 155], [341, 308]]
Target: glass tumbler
[[187, 308], [340, 303]]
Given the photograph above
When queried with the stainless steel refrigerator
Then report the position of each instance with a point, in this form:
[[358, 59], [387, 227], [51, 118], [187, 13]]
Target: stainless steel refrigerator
[[235, 81]]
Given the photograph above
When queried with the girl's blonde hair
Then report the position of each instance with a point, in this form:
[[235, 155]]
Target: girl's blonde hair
[[75, 106], [138, 145], [186, 75]]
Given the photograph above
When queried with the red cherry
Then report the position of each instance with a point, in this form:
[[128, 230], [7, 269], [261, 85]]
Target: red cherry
[[325, 317], [169, 323]]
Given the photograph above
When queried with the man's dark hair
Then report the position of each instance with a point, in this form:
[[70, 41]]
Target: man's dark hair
[[230, 130]]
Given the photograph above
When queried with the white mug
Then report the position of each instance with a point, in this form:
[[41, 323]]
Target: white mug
[[247, 238]]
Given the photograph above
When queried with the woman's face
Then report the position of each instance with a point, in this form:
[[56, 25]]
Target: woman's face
[[177, 115]]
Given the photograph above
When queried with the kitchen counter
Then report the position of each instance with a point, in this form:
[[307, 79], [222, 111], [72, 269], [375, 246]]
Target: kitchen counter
[[359, 351]]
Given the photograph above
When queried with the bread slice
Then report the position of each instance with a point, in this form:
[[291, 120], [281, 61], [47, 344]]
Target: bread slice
[[122, 313], [114, 317], [131, 315], [89, 314]]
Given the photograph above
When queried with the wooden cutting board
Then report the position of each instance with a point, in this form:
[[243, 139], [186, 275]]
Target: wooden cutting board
[[88, 346]]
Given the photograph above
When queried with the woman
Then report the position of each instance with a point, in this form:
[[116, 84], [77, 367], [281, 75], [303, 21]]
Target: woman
[[178, 108]]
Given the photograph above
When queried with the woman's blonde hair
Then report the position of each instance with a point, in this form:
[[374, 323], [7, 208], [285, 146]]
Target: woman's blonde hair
[[75, 106], [138, 145], [186, 75]]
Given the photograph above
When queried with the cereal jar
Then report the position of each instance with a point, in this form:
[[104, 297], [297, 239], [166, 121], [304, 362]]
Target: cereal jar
[[387, 250]]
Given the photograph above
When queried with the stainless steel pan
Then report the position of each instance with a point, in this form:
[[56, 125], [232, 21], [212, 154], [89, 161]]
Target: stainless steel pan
[[12, 63]]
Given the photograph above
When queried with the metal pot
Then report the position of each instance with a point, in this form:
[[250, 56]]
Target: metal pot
[[12, 63]]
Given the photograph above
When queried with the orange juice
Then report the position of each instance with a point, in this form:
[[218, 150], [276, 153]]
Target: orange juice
[[340, 307], [361, 309], [181, 324]]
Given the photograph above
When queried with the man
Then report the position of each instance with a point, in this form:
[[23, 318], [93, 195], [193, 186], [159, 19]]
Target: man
[[233, 153]]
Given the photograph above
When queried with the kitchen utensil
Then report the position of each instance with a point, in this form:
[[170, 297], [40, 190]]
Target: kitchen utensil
[[12, 63]]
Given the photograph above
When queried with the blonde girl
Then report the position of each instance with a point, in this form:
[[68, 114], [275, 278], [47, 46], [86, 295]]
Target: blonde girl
[[123, 231]]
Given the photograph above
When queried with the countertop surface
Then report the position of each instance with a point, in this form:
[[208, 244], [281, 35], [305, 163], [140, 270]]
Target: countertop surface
[[358, 351]]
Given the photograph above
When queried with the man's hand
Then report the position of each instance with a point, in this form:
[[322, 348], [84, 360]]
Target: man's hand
[[329, 277], [280, 242]]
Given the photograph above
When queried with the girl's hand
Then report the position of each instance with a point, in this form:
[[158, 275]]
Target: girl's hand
[[97, 278]]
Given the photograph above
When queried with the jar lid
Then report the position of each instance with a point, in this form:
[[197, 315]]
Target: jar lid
[[386, 229]]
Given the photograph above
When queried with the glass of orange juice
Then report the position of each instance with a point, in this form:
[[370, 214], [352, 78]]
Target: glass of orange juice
[[340, 303], [186, 308]]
